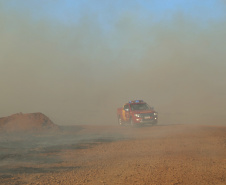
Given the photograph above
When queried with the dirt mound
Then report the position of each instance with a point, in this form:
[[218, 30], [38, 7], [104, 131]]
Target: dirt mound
[[31, 122]]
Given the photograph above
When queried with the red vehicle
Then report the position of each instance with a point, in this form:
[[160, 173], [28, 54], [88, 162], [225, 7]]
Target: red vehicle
[[137, 112]]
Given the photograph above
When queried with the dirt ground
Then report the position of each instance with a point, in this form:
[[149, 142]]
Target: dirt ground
[[161, 154]]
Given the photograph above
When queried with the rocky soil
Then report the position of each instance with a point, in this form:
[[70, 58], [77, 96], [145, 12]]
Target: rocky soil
[[161, 154]]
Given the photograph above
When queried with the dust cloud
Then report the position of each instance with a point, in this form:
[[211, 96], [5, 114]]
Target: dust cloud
[[79, 73]]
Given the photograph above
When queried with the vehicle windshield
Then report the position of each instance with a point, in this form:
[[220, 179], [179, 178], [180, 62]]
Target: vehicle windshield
[[141, 106]]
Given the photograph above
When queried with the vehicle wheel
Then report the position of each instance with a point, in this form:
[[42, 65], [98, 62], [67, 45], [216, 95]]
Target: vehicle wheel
[[155, 122], [119, 121]]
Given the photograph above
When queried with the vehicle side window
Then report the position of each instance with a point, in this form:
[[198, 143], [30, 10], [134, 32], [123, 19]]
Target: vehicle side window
[[126, 107]]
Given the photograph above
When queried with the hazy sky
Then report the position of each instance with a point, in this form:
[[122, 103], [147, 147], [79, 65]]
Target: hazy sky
[[77, 61]]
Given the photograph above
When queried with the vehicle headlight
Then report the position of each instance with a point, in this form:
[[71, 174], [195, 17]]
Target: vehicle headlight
[[137, 115], [155, 113]]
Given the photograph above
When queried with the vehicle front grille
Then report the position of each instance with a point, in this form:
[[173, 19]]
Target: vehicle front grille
[[147, 114]]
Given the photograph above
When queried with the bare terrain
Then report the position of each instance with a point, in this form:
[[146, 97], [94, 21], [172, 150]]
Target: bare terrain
[[161, 154]]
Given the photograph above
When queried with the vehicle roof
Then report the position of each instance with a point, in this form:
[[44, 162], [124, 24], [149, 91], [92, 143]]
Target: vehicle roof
[[135, 103]]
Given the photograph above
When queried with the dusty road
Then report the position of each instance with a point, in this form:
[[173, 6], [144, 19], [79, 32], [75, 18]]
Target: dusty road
[[162, 154]]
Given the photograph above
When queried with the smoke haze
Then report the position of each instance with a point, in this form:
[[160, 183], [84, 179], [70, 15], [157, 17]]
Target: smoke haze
[[81, 71]]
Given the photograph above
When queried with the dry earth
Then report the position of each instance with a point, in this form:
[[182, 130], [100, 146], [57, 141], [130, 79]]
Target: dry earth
[[31, 122], [161, 154]]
